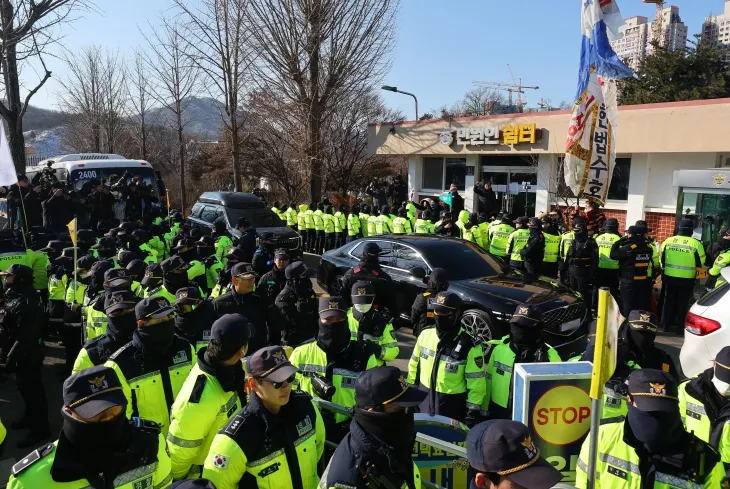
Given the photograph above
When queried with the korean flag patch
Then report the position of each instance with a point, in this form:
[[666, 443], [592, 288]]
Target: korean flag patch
[[220, 461]]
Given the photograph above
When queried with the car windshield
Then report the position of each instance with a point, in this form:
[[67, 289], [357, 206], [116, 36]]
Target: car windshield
[[259, 218], [110, 176], [463, 260]]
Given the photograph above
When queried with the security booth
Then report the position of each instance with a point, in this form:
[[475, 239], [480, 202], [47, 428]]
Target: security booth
[[704, 196]]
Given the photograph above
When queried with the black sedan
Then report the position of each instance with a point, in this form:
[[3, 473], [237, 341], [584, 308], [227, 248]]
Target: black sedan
[[490, 291]]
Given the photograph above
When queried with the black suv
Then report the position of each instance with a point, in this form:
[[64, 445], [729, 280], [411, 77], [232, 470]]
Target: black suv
[[233, 205]]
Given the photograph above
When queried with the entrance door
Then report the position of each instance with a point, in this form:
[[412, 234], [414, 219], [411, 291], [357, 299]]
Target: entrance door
[[515, 187]]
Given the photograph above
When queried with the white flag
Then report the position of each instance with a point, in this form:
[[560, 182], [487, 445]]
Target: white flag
[[8, 176]]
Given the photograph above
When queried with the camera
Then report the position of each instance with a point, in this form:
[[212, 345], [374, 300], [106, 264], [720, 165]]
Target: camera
[[323, 387]]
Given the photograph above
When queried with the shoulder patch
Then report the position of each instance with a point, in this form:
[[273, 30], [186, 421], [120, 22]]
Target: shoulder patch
[[116, 354], [198, 389], [233, 425], [32, 458]]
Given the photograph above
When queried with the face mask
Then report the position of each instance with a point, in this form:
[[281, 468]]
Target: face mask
[[446, 325], [659, 432], [95, 438], [363, 308], [103, 253], [204, 252], [394, 429], [333, 338], [525, 338], [122, 327], [723, 388], [158, 337], [643, 340], [175, 280]]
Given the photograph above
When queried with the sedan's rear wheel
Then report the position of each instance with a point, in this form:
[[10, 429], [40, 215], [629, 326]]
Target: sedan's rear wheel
[[478, 324], [336, 285]]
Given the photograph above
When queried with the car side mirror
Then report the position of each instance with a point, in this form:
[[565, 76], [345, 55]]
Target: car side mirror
[[418, 272]]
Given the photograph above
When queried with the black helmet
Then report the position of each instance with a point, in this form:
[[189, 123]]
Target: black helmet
[[402, 212], [611, 224], [22, 275], [321, 206]]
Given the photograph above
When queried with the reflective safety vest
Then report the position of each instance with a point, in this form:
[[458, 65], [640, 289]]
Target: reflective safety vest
[[552, 248], [196, 269], [565, 241], [372, 226], [309, 219], [291, 217], [516, 241], [498, 239], [694, 416], [136, 288], [614, 403], [340, 222], [160, 291], [3, 432], [424, 226], [480, 236], [219, 290], [318, 220], [382, 335], [364, 219], [302, 218], [201, 409], [278, 213], [34, 471], [484, 228], [458, 373], [401, 225], [39, 264], [499, 372], [223, 246], [96, 321], [605, 242], [617, 466], [722, 260], [75, 295], [311, 360], [57, 287], [383, 224], [328, 223], [412, 212], [678, 253], [353, 225], [212, 273]]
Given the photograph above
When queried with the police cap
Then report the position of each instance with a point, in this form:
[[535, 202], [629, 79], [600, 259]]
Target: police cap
[[295, 270], [331, 307], [174, 264], [686, 224], [91, 391], [85, 262], [385, 385], [117, 277], [637, 230], [611, 224], [522, 221], [281, 254], [99, 268], [106, 243], [141, 234], [125, 256], [505, 447], [270, 363], [527, 315], [535, 223], [187, 296], [232, 332], [85, 235], [68, 253], [653, 390], [642, 223], [722, 365], [446, 302], [643, 321], [243, 269], [371, 250], [153, 308], [205, 242], [123, 299], [236, 255], [184, 245], [243, 222], [128, 226], [152, 275], [363, 292], [54, 245]]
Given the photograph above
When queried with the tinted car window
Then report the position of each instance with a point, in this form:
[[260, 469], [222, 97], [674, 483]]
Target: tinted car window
[[259, 218], [462, 259], [712, 297], [407, 258], [196, 210], [208, 214], [386, 254]]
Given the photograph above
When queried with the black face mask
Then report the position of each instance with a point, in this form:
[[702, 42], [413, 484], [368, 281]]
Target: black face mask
[[95, 439], [303, 288], [526, 338], [394, 429], [581, 236], [121, 327], [104, 253], [642, 340], [189, 255], [446, 326], [333, 338], [724, 244], [204, 252], [175, 280], [661, 433], [157, 337]]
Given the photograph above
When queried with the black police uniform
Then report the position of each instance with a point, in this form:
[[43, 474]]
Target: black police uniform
[[452, 231], [297, 304], [534, 251], [264, 321], [582, 260], [195, 325], [369, 269], [247, 242], [421, 317], [636, 343], [270, 284], [634, 256], [119, 329]]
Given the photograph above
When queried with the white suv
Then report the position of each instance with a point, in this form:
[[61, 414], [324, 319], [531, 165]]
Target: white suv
[[707, 329]]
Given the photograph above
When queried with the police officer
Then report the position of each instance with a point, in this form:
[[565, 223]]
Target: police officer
[[340, 226], [213, 267], [421, 316], [98, 445], [401, 224], [22, 350], [223, 242], [243, 300], [194, 316], [247, 241], [121, 323], [105, 249], [151, 280], [364, 218], [318, 229], [499, 236], [58, 273], [446, 226], [262, 259], [272, 282], [276, 440], [354, 226], [70, 332], [136, 270], [329, 363], [502, 455], [153, 366], [224, 279], [582, 262], [369, 269], [607, 271], [533, 252], [212, 393], [423, 223], [186, 250], [384, 224], [634, 256], [297, 304], [680, 256], [650, 448], [524, 344], [369, 325], [448, 364], [174, 277], [311, 230], [372, 226], [566, 240], [94, 321], [722, 260], [330, 227], [290, 216], [551, 256], [377, 450]]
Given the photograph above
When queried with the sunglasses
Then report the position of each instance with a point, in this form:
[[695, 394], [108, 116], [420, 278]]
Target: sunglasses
[[279, 385]]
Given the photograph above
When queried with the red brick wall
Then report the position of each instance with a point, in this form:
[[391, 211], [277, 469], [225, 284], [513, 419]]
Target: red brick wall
[[619, 215], [661, 225]]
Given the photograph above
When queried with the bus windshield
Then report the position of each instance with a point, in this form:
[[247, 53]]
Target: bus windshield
[[111, 175]]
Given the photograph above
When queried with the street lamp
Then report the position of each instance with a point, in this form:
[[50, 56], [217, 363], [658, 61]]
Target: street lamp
[[395, 89]]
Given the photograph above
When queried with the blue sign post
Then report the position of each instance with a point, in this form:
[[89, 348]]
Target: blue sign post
[[552, 400]]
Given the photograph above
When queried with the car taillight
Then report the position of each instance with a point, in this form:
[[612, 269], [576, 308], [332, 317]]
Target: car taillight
[[700, 326]]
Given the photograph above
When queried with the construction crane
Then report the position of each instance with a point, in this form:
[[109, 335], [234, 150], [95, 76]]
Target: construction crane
[[519, 89], [657, 31]]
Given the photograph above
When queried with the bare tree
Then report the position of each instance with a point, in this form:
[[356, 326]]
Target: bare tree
[[312, 53], [175, 80], [479, 101], [26, 30], [140, 102], [216, 32]]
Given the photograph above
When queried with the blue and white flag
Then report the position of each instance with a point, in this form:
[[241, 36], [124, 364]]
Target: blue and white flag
[[590, 149]]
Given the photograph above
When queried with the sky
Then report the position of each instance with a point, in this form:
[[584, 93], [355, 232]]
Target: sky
[[442, 46]]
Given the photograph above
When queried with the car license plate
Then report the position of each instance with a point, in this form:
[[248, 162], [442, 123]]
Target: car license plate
[[570, 326]]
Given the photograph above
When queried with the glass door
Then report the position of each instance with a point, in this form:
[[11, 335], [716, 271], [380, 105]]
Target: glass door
[[515, 188]]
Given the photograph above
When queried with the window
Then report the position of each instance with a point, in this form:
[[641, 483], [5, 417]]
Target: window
[[407, 258], [196, 210], [208, 214], [619, 189], [386, 254], [455, 173], [433, 173]]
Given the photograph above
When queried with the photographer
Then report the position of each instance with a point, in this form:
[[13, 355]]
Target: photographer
[[101, 201], [16, 194], [57, 210]]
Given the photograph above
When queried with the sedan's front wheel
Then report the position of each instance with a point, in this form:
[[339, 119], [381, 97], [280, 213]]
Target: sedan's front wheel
[[478, 324]]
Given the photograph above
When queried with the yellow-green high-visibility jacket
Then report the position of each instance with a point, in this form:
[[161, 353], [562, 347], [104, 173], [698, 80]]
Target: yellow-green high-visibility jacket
[[155, 250], [655, 261], [364, 218], [460, 376], [212, 272], [160, 291], [722, 260], [382, 335], [340, 222], [617, 466], [302, 217], [309, 219], [74, 295], [258, 450], [516, 241], [328, 222], [605, 242], [498, 238], [353, 225], [372, 226], [175, 228], [96, 321], [201, 409], [311, 360], [480, 235], [484, 228], [565, 241], [401, 225], [3, 432], [680, 255], [694, 415], [39, 263], [167, 238], [223, 246], [499, 374], [149, 388], [196, 269], [424, 226], [57, 287], [291, 217], [383, 224], [552, 248], [34, 470], [318, 221]]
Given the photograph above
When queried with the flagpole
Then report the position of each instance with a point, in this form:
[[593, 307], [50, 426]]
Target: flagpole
[[25, 217], [597, 382]]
